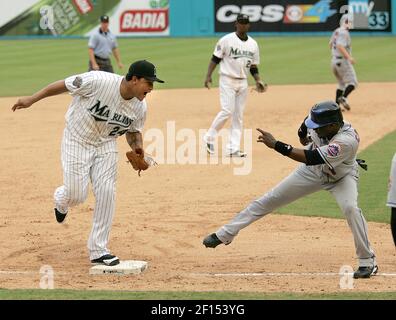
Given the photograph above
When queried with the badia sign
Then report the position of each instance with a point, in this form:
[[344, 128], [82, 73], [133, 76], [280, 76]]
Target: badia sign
[[299, 15], [144, 20]]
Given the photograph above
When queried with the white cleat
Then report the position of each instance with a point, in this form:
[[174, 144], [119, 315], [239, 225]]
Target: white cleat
[[344, 102]]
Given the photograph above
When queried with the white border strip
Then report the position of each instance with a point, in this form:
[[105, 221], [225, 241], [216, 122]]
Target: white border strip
[[283, 274]]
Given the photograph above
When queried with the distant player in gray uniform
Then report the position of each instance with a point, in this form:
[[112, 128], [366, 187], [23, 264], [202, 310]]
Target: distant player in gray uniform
[[342, 61], [391, 202], [105, 106], [100, 46], [329, 163]]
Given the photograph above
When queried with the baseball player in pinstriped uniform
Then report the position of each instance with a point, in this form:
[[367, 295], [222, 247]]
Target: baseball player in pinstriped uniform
[[329, 163], [391, 202], [237, 54], [104, 107], [342, 61]]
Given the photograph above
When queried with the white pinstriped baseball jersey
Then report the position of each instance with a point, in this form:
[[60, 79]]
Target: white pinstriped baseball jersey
[[237, 55], [339, 154], [98, 113]]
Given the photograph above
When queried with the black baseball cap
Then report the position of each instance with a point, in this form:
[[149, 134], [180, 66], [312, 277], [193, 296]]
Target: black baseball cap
[[242, 18], [143, 68], [104, 18]]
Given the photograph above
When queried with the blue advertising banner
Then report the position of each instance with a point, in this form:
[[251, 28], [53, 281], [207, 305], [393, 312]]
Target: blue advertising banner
[[303, 15]]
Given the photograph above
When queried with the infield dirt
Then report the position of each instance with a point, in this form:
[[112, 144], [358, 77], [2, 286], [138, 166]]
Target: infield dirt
[[163, 216]]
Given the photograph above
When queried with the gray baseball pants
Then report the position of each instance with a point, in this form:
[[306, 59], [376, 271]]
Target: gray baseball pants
[[104, 65], [344, 72], [298, 184]]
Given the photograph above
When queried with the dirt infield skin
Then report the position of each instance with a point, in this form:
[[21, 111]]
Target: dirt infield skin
[[162, 216]]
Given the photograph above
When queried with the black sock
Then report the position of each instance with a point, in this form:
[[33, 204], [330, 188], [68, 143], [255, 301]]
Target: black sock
[[348, 90], [393, 224], [339, 94]]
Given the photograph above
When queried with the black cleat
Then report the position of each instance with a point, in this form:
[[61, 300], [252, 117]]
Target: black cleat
[[238, 154], [59, 215], [365, 272], [211, 241], [210, 148], [107, 260]]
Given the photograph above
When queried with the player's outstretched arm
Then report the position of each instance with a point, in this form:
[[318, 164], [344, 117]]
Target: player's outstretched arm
[[52, 89], [285, 149]]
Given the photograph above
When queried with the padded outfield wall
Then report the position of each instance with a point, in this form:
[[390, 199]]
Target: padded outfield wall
[[191, 18]]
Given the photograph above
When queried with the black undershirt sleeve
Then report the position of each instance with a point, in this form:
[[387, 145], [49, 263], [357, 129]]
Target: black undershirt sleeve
[[254, 70], [313, 157], [216, 59]]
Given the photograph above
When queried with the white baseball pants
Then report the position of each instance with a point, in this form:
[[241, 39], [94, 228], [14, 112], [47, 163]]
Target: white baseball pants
[[82, 163], [233, 94]]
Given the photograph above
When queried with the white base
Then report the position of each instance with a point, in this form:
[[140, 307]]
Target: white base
[[124, 267]]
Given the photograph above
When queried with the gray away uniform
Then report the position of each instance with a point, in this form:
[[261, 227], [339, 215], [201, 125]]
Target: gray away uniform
[[339, 175], [342, 68], [391, 201]]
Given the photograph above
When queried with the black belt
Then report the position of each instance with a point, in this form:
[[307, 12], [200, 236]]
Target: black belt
[[99, 58], [339, 57]]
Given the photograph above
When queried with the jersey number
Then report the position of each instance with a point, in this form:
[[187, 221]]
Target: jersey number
[[117, 131]]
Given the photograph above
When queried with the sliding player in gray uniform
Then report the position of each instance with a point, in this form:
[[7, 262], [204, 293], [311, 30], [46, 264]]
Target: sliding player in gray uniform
[[391, 202], [342, 61], [329, 163], [104, 107]]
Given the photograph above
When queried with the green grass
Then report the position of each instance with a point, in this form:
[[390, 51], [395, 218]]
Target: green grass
[[372, 187], [38, 294], [28, 65]]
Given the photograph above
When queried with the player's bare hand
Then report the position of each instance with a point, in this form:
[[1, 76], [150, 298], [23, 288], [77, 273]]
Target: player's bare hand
[[95, 66], [266, 138], [208, 82], [120, 65], [260, 87], [22, 103], [352, 60]]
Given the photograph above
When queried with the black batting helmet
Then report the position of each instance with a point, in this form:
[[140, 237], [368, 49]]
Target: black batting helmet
[[323, 114]]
